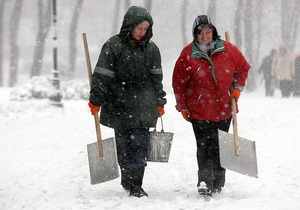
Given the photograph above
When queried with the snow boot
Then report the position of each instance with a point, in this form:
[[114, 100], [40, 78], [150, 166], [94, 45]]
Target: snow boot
[[126, 179], [137, 181], [203, 190], [138, 192], [219, 180], [205, 182]]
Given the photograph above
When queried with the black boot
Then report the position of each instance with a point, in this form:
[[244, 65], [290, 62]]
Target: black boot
[[126, 179], [219, 180], [205, 182], [137, 181]]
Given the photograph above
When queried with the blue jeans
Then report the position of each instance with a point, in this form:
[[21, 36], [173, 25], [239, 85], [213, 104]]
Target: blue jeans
[[132, 145]]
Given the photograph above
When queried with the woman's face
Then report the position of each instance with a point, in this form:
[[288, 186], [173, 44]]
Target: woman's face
[[139, 31], [205, 36]]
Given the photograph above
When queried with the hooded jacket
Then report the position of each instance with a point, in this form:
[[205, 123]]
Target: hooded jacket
[[283, 66], [127, 80], [202, 83]]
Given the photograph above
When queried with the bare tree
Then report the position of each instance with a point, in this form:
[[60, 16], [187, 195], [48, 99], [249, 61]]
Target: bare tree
[[237, 23], [258, 31], [286, 21], [296, 23], [148, 5], [72, 39], [116, 16], [248, 17], [44, 18], [127, 4], [2, 4], [183, 22], [289, 22], [211, 11], [14, 50]]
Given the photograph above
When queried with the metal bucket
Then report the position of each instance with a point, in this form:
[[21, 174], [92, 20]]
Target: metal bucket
[[159, 146]]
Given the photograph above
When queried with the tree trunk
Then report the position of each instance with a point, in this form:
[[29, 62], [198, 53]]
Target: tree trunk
[[2, 4], [127, 4], [183, 22], [286, 22], [237, 23], [259, 29], [116, 17], [72, 38], [211, 11], [148, 5], [14, 51], [248, 19], [295, 25], [44, 18], [289, 22]]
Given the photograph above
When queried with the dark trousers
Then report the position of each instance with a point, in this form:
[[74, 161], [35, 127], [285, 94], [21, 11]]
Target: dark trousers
[[285, 88], [268, 87], [208, 157], [132, 145]]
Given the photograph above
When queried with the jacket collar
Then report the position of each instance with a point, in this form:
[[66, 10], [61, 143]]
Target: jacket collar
[[196, 53]]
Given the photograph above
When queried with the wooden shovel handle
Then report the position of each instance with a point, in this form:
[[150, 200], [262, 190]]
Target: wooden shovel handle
[[235, 132], [234, 118], [96, 117]]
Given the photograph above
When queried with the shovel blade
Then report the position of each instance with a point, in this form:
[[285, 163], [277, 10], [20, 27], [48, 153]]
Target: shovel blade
[[245, 163], [103, 169]]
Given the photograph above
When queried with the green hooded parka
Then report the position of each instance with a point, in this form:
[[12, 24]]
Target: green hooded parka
[[127, 80]]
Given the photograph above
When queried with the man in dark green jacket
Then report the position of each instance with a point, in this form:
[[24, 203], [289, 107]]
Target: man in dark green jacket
[[127, 85]]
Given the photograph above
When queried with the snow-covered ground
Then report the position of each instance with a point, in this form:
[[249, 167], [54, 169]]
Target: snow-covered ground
[[44, 164]]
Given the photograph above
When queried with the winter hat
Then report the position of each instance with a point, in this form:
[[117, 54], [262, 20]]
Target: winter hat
[[203, 21]]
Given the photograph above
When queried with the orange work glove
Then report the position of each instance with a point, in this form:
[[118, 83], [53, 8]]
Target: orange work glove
[[186, 114], [94, 109], [160, 110], [235, 94]]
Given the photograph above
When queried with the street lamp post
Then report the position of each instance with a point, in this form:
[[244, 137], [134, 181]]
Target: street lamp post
[[55, 95]]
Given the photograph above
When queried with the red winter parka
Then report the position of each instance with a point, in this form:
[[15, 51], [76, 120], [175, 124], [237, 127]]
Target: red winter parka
[[202, 84]]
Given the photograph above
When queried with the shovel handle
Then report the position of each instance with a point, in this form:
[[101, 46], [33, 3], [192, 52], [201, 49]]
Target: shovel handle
[[227, 37], [96, 117], [234, 118], [235, 132]]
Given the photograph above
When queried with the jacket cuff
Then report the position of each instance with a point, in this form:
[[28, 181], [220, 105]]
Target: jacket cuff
[[237, 86]]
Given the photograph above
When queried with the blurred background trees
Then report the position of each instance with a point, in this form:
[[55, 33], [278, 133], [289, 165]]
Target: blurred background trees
[[44, 25], [26, 44]]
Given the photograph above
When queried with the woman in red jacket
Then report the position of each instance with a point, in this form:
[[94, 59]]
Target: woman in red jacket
[[208, 73]]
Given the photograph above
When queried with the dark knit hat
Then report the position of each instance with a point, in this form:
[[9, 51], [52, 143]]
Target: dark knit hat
[[203, 21]]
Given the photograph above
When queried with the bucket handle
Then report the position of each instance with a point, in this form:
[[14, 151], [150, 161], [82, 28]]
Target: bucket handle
[[162, 126]]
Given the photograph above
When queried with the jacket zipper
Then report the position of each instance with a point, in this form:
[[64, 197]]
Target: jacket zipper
[[199, 98]]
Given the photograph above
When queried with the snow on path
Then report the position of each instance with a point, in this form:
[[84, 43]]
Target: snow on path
[[44, 164]]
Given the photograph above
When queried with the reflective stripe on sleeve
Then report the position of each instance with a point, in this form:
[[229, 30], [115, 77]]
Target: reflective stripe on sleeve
[[156, 71], [104, 71]]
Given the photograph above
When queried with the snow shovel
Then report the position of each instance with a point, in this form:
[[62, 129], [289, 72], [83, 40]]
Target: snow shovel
[[245, 163], [102, 154], [239, 157]]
